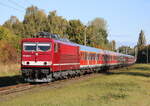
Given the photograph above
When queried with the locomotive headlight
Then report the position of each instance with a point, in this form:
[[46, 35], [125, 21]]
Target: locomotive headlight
[[48, 63], [45, 63], [28, 63], [25, 63]]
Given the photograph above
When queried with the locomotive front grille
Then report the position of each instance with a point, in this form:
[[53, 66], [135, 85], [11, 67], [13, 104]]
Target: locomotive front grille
[[35, 73]]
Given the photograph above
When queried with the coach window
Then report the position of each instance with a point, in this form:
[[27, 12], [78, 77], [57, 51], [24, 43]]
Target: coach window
[[102, 57], [110, 58], [96, 57], [93, 56], [107, 57], [85, 55], [99, 56], [89, 56], [81, 55]]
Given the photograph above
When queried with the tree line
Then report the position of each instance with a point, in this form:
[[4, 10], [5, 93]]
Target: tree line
[[143, 50], [36, 20]]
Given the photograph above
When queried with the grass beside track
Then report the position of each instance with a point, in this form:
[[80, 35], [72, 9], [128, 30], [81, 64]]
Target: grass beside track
[[9, 70], [122, 87], [9, 74]]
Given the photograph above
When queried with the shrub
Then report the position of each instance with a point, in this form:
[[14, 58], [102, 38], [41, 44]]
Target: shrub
[[8, 53]]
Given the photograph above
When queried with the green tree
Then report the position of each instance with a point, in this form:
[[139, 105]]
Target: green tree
[[100, 23], [97, 33], [75, 31], [125, 49], [9, 45], [111, 45], [14, 25], [34, 20], [56, 24], [143, 54], [6, 34], [141, 40]]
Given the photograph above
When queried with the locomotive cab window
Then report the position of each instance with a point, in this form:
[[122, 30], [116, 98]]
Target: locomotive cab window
[[29, 46], [44, 47], [56, 47]]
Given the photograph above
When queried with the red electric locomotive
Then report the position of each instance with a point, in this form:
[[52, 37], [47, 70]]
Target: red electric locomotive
[[47, 57]]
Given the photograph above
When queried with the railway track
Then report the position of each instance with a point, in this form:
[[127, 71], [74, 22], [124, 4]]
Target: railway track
[[26, 86], [15, 88]]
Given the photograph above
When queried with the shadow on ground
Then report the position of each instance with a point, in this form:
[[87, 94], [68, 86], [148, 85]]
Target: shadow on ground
[[130, 73], [142, 68], [140, 71], [10, 80]]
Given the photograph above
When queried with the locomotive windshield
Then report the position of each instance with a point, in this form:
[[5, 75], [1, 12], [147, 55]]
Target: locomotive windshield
[[44, 46], [28, 46]]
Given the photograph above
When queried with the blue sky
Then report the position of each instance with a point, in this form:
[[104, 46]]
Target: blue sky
[[125, 18]]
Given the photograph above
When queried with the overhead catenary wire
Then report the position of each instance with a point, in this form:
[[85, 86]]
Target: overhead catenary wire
[[30, 3], [8, 6], [27, 1], [17, 4]]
